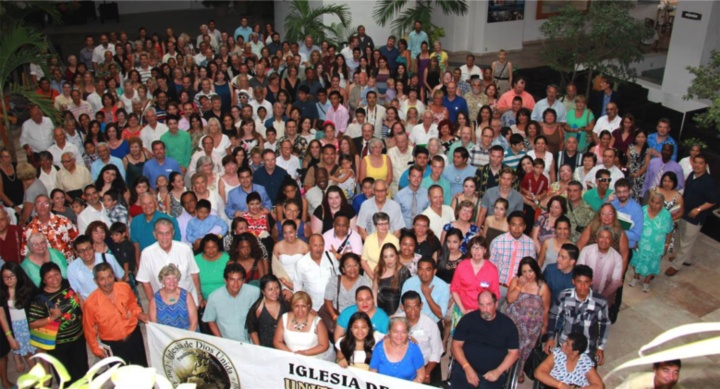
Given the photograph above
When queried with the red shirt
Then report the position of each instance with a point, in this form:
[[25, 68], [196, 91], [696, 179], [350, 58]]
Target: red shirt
[[468, 285], [533, 185], [10, 246]]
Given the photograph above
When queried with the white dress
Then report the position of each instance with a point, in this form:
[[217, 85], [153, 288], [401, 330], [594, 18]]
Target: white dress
[[288, 262], [296, 340]]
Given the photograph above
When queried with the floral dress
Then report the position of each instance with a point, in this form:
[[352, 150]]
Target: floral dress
[[527, 313], [472, 231], [577, 377], [669, 206], [635, 163], [651, 246]]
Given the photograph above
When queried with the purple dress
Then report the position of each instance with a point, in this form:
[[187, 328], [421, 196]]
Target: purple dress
[[527, 313], [422, 65]]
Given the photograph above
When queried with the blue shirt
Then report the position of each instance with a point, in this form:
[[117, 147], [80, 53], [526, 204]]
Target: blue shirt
[[152, 169], [415, 40], [237, 200], [457, 105], [229, 313], [81, 277], [380, 320], [405, 181], [440, 293], [271, 182], [653, 144], [197, 229], [390, 55], [244, 31], [141, 231], [404, 197], [557, 281], [634, 210], [542, 105], [99, 164], [405, 369], [456, 177], [358, 200]]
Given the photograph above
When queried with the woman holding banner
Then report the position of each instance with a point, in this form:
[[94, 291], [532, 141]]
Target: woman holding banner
[[302, 332]]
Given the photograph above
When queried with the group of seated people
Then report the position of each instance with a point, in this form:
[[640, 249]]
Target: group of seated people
[[364, 210]]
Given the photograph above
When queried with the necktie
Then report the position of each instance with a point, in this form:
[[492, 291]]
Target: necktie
[[658, 176], [365, 149], [513, 258], [413, 206]]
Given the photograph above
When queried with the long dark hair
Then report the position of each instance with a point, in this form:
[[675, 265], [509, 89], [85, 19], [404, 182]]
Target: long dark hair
[[519, 172], [47, 268], [133, 192], [25, 290], [347, 344], [344, 206], [530, 261], [644, 149], [118, 184], [255, 250]]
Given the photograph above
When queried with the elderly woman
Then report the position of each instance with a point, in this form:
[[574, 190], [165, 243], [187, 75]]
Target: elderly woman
[[375, 241], [40, 253], [33, 188], [302, 331], [340, 290], [397, 356], [569, 367], [333, 202], [172, 305], [375, 164], [654, 242], [580, 123], [206, 166]]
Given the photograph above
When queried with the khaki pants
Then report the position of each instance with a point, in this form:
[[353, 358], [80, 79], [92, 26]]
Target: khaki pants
[[687, 234]]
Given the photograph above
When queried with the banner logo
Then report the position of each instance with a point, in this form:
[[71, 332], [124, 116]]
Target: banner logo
[[196, 361]]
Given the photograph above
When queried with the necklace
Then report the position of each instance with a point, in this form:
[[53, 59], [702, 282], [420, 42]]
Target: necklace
[[11, 176], [298, 326]]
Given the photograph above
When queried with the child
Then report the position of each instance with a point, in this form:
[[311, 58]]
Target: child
[[256, 161], [78, 205], [125, 252], [90, 155], [204, 223], [345, 176], [354, 129], [535, 185], [271, 136], [367, 191], [515, 152], [162, 184], [234, 142], [260, 121], [116, 212]]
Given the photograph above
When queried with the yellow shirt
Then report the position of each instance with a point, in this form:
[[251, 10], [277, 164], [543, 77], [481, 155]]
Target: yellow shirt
[[371, 249]]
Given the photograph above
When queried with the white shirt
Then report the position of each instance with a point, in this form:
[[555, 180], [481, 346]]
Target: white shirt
[[400, 163], [437, 222], [427, 335], [548, 161], [128, 101], [99, 52], [49, 180], [38, 136], [314, 197], [89, 215], [375, 116], [418, 136], [291, 166], [615, 174], [154, 258], [95, 101], [603, 124], [256, 104], [467, 73], [313, 278], [148, 135]]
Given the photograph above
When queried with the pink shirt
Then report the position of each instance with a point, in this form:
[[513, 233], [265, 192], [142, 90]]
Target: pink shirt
[[468, 285], [340, 117], [506, 99]]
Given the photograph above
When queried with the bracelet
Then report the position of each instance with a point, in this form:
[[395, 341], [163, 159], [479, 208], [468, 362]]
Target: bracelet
[[8, 332]]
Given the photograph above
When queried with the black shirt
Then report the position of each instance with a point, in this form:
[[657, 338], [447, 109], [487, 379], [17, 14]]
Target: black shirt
[[699, 191], [486, 342]]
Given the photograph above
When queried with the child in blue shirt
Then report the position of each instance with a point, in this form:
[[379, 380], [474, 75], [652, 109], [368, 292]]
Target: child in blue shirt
[[204, 223]]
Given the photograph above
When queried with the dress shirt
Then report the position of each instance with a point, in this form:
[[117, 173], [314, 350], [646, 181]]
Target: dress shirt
[[291, 166], [405, 199], [229, 313], [635, 212], [314, 197], [656, 169], [589, 317], [415, 40], [38, 136], [542, 105], [110, 319], [653, 144], [440, 294], [149, 134], [89, 215], [607, 268], [81, 277], [313, 277], [57, 153], [501, 254], [339, 117], [400, 162], [370, 207], [455, 106], [154, 258], [466, 73], [426, 335], [479, 155], [182, 222], [353, 245], [197, 229], [271, 182]]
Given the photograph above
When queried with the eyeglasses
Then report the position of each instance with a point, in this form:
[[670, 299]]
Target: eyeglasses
[[9, 277], [66, 161], [85, 250], [604, 179]]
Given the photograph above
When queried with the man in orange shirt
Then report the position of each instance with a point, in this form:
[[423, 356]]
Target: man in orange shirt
[[111, 314]]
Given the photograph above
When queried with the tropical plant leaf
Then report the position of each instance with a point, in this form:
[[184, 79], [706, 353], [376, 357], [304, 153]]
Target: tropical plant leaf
[[453, 7], [385, 10], [304, 20], [61, 371]]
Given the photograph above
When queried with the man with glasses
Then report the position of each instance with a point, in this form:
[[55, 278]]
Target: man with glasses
[[599, 195], [72, 177], [80, 272], [579, 211], [480, 153], [608, 163], [379, 203], [58, 229]]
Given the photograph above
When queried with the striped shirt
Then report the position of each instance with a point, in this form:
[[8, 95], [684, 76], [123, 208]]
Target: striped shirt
[[501, 254], [568, 314]]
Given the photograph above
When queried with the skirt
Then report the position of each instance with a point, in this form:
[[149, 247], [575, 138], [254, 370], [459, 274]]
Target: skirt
[[21, 331]]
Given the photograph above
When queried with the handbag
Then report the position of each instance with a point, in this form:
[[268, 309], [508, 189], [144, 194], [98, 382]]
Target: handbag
[[45, 337], [326, 316], [536, 357]]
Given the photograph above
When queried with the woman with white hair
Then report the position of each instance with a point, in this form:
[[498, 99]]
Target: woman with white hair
[[172, 305], [376, 164]]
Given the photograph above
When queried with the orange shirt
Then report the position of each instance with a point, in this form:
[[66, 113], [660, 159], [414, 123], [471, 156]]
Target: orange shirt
[[110, 319], [506, 99]]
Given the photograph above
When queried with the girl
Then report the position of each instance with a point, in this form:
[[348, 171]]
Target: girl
[[496, 224], [355, 348], [345, 176], [16, 293], [162, 185]]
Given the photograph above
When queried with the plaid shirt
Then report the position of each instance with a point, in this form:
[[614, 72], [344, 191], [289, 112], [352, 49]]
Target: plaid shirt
[[479, 156], [501, 251], [118, 213], [568, 315]]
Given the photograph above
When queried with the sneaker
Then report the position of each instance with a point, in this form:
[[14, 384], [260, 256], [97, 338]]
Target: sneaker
[[646, 287], [633, 282]]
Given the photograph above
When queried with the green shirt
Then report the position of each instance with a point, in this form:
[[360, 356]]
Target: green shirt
[[455, 145], [592, 197], [211, 273], [427, 182], [33, 270], [229, 313], [580, 216], [178, 147]]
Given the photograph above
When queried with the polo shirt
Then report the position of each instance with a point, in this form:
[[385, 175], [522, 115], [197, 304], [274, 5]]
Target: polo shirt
[[405, 181], [592, 198], [271, 182], [141, 231], [237, 200], [512, 160], [81, 277], [354, 242], [230, 313], [152, 169], [456, 177], [38, 136], [420, 137], [154, 258], [178, 146], [457, 105], [427, 182], [455, 145], [391, 208], [440, 293], [380, 320]]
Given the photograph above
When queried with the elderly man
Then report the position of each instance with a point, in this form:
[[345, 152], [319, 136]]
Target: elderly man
[[166, 250], [143, 226], [314, 269], [103, 152], [111, 314], [80, 272], [62, 146], [229, 306], [58, 229], [608, 122], [73, 177], [37, 133], [379, 203], [423, 132], [550, 101], [485, 346], [401, 156], [78, 106], [475, 96], [153, 130], [288, 161], [425, 332], [160, 165], [95, 211], [606, 262]]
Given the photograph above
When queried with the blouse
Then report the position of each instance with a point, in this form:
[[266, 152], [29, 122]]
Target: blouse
[[70, 323], [468, 285], [577, 377], [371, 249], [405, 369]]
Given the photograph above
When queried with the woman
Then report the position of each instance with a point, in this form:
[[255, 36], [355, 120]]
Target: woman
[[39, 253], [372, 249], [340, 69], [624, 136], [291, 83], [382, 74], [428, 243], [16, 294], [307, 132], [133, 128], [376, 164], [446, 135], [211, 262], [263, 317], [172, 305], [413, 101], [390, 275], [229, 180], [134, 162], [589, 160], [196, 130], [119, 147], [439, 111], [222, 88], [544, 227], [329, 136], [248, 254], [110, 178], [580, 123], [285, 255], [346, 146], [469, 193], [606, 216], [141, 186], [502, 72], [431, 75], [407, 255], [604, 144], [464, 222], [553, 131], [551, 247], [12, 191], [672, 200], [302, 332], [228, 124], [654, 242], [177, 188], [221, 142], [569, 366], [60, 207], [528, 306], [471, 277], [541, 151], [482, 120], [355, 348], [451, 255], [638, 159], [490, 97], [249, 138], [531, 131], [57, 309], [391, 119], [412, 118], [496, 224], [259, 219], [522, 120], [420, 64], [559, 187], [333, 202], [396, 356], [340, 290]]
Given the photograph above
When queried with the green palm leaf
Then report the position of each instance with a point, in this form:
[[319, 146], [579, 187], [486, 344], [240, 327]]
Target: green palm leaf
[[453, 7], [386, 9], [304, 20]]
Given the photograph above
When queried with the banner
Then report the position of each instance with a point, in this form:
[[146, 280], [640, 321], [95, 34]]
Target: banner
[[212, 362]]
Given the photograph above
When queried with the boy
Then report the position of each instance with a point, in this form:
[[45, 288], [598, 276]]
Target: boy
[[271, 136], [515, 152], [116, 212], [366, 189], [203, 224], [126, 254], [354, 129], [535, 185]]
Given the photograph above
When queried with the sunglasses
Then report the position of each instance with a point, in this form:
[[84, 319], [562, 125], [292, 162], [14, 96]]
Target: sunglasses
[[604, 179]]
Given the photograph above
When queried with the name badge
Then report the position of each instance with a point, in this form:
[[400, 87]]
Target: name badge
[[484, 284], [418, 333]]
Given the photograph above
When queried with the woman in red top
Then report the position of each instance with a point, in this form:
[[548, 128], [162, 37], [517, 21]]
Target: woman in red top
[[534, 186], [472, 277]]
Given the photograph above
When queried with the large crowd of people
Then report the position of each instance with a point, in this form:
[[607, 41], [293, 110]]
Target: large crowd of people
[[369, 205]]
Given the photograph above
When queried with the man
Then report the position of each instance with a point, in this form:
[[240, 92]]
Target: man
[[423, 132], [515, 152], [362, 143], [434, 292], [258, 101], [288, 161], [415, 38], [504, 190], [365, 40], [485, 346], [401, 155], [46, 90], [160, 165], [480, 153], [465, 142], [570, 156], [469, 70], [316, 194], [609, 122], [270, 176], [412, 199], [86, 53], [73, 177], [103, 152], [599, 195], [509, 117], [341, 239], [314, 270], [36, 134], [579, 212], [78, 106], [559, 276], [488, 176], [660, 138], [629, 212], [425, 333], [243, 30], [665, 375], [454, 103], [142, 227], [94, 211], [337, 113], [606, 262], [508, 249], [306, 105], [99, 51], [608, 163], [228, 306], [700, 197], [164, 252], [569, 99], [58, 230], [390, 52], [379, 203], [328, 162], [62, 146], [111, 314], [438, 213], [154, 130], [188, 200], [144, 69], [659, 166], [164, 94], [601, 100], [463, 87], [178, 143], [347, 52], [374, 113], [278, 119], [518, 90], [364, 302], [550, 101], [11, 238], [456, 173], [422, 157], [354, 96], [580, 310], [80, 272], [475, 96], [437, 166], [300, 144], [64, 98]]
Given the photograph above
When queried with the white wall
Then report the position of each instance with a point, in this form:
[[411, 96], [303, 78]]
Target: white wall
[[137, 7], [531, 26]]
